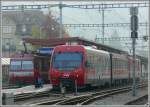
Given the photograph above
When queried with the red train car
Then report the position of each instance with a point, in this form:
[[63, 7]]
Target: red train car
[[88, 67], [21, 69], [137, 68]]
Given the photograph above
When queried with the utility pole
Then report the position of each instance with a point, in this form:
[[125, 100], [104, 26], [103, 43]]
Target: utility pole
[[1, 47], [60, 16], [102, 23], [134, 35]]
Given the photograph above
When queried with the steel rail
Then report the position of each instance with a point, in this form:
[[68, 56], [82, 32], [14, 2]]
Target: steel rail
[[26, 96], [50, 102], [82, 98]]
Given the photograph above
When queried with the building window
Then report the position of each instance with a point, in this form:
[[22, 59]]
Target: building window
[[24, 28], [7, 29]]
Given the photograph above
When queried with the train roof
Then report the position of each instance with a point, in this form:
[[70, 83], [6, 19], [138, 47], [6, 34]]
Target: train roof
[[90, 48], [96, 50]]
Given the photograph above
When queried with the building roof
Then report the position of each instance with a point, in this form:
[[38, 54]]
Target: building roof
[[62, 41]]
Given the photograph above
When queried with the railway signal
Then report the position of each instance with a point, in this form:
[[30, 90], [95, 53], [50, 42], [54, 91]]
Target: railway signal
[[134, 23], [134, 34]]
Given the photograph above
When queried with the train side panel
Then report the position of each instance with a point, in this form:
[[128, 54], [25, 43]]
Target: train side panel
[[119, 67], [137, 68], [98, 67]]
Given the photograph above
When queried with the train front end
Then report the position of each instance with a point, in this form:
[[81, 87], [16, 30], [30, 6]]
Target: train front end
[[67, 67]]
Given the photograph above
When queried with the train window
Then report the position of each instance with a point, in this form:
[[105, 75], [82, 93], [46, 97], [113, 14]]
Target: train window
[[121, 64], [124, 64], [116, 64], [113, 64], [95, 61], [90, 59], [106, 63], [87, 64], [67, 61], [99, 59], [15, 65], [27, 65]]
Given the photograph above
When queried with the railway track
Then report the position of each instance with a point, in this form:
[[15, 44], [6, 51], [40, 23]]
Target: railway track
[[26, 96], [109, 93], [88, 98]]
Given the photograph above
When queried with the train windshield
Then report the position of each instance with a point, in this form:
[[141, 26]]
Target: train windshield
[[67, 61], [15, 65], [27, 65]]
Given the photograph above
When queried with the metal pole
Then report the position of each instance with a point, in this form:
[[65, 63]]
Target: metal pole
[[1, 48], [62, 89], [134, 35], [103, 25], [75, 87], [60, 85], [60, 15], [40, 32], [134, 81]]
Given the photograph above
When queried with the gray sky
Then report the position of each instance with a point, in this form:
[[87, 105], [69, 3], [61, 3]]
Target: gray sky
[[84, 16]]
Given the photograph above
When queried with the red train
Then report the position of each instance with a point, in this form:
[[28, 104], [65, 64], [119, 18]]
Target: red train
[[89, 67], [22, 68]]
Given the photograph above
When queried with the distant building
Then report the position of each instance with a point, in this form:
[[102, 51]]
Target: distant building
[[17, 25]]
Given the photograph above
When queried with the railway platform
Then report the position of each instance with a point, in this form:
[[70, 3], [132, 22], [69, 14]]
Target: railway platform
[[28, 89]]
